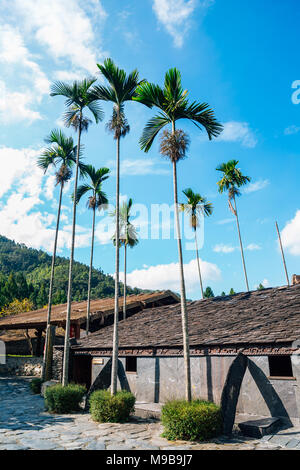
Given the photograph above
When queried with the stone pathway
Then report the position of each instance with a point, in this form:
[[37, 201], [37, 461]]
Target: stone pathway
[[25, 425]]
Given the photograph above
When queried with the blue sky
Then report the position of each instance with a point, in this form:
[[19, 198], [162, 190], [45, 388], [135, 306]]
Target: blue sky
[[240, 57]]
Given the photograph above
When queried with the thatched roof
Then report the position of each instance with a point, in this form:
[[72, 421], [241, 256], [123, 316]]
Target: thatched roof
[[100, 309]]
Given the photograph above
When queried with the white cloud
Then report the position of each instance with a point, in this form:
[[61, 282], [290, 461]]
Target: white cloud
[[17, 166], [75, 39], [175, 15], [290, 235], [225, 221], [14, 52], [166, 276], [253, 247], [15, 59], [257, 186], [68, 75], [265, 283], [141, 167], [17, 106], [75, 47], [221, 248], [292, 130], [238, 132], [23, 189]]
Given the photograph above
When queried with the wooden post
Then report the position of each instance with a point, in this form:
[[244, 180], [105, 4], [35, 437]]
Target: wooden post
[[38, 349], [28, 341], [48, 363], [282, 253]]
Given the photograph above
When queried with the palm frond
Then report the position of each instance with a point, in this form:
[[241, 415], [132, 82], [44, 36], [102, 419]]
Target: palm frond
[[46, 160], [173, 90], [101, 199], [60, 88], [121, 86], [79, 94], [104, 93], [152, 128], [81, 191], [201, 115], [96, 110], [150, 95]]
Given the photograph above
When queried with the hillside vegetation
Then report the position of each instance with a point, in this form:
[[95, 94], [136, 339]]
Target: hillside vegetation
[[25, 273]]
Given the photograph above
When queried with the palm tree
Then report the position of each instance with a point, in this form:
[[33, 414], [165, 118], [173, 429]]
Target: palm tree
[[231, 181], [195, 207], [61, 152], [78, 96], [95, 201], [121, 88], [128, 237], [173, 104]]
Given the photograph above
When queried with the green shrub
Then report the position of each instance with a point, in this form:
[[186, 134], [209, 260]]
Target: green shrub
[[196, 420], [107, 408], [36, 385], [59, 399]]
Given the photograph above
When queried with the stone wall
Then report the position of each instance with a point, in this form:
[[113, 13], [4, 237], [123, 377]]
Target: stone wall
[[159, 379], [24, 366], [57, 363]]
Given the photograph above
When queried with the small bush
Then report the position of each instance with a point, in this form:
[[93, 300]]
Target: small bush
[[36, 385], [107, 408], [191, 421], [59, 399]]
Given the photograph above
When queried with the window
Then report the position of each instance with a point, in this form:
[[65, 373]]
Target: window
[[280, 366], [130, 364]]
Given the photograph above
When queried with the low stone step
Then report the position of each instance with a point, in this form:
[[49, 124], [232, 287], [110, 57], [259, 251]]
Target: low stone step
[[148, 410], [260, 427]]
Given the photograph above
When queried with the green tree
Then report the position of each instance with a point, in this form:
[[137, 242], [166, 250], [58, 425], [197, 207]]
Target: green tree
[[172, 103], [232, 292], [121, 88], [96, 200], [22, 286], [223, 294], [42, 298], [233, 179], [78, 96], [61, 155], [208, 293], [196, 206], [260, 287], [10, 288]]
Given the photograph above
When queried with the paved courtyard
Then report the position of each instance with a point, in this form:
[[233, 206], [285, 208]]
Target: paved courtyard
[[25, 425]]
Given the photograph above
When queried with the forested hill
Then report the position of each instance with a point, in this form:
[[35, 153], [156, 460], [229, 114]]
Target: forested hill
[[25, 273]]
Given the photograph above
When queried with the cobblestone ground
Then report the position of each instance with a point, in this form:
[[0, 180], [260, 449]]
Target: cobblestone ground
[[25, 425]]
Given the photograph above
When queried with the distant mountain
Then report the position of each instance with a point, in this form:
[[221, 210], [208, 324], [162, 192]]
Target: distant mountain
[[25, 273]]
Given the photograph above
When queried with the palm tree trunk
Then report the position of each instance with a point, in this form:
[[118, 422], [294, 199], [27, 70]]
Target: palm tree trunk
[[47, 358], [114, 369], [241, 244], [90, 276], [282, 254], [184, 315], [65, 377], [199, 269], [125, 268]]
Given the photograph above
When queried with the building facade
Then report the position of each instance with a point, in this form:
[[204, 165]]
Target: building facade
[[243, 346]]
